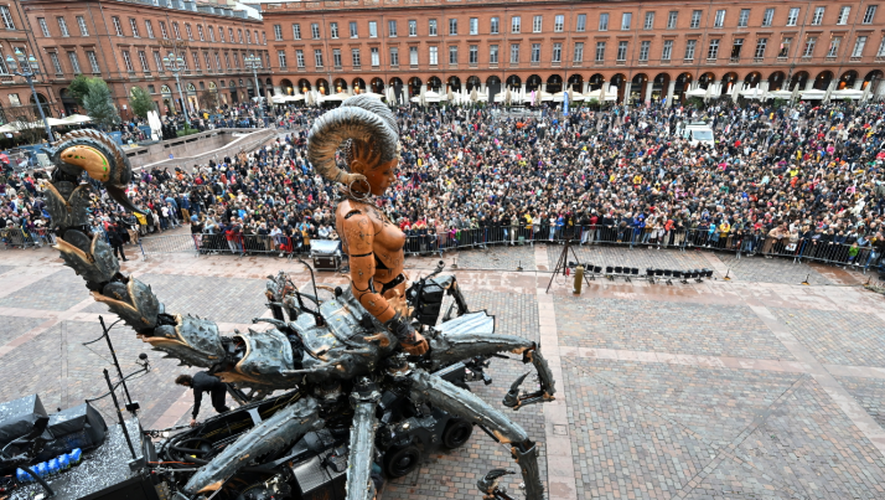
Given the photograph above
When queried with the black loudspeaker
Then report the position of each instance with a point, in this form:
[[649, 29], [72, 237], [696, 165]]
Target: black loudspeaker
[[78, 427], [19, 418], [428, 305]]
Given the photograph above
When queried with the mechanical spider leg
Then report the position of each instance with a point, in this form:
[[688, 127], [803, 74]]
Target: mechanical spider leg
[[449, 348], [364, 398], [270, 436], [451, 398]]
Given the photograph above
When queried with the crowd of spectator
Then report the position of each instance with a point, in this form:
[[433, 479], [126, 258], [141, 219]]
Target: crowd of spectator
[[806, 179], [244, 115]]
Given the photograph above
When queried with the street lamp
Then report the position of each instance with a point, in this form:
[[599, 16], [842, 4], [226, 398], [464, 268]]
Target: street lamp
[[29, 69], [175, 65], [253, 62]]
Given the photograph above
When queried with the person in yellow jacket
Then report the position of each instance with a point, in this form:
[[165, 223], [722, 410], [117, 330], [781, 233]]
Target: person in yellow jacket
[[724, 233], [142, 223]]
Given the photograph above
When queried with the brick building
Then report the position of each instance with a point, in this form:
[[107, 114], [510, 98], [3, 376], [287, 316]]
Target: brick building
[[643, 49], [16, 98], [124, 43]]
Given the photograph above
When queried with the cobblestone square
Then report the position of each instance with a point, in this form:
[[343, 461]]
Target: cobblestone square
[[836, 337], [758, 388], [678, 328]]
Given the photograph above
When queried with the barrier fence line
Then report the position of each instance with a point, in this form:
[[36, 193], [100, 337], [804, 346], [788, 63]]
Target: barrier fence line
[[17, 237], [802, 249]]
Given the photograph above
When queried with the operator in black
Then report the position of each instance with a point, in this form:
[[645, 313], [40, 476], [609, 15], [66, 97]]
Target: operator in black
[[203, 382]]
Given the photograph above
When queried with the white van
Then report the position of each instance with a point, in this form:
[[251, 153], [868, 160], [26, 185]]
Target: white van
[[698, 132]]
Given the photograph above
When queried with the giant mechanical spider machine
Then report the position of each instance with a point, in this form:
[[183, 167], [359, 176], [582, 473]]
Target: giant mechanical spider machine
[[344, 369]]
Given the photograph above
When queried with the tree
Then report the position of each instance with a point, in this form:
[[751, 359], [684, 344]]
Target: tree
[[99, 105], [140, 101], [21, 118], [209, 100], [81, 85]]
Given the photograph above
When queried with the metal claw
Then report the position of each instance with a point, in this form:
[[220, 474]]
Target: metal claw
[[488, 484]]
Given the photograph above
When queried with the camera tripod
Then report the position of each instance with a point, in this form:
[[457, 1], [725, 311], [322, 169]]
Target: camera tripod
[[562, 264]]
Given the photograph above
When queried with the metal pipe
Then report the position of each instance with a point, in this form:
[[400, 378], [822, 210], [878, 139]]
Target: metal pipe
[[107, 337], [107, 378]]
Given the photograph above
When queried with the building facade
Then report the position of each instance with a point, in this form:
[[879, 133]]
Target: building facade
[[16, 97], [643, 50], [125, 42]]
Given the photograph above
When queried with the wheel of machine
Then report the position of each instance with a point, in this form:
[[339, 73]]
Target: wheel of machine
[[398, 462], [457, 433]]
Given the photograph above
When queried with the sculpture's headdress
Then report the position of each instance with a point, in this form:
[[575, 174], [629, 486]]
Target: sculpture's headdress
[[364, 125]]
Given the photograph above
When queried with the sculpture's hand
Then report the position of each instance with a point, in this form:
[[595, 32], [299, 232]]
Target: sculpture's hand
[[381, 338], [413, 342], [418, 348]]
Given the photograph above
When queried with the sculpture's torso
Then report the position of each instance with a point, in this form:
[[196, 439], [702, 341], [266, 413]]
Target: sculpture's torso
[[387, 244]]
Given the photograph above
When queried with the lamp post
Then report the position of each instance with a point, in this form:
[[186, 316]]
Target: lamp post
[[29, 69], [253, 62], [175, 65]]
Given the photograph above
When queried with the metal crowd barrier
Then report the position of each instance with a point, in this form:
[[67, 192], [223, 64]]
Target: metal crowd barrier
[[424, 242], [16, 237]]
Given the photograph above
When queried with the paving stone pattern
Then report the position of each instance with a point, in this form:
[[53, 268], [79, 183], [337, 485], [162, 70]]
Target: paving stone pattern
[[5, 269], [657, 431], [498, 257], [776, 270], [715, 404], [839, 338], [628, 449], [57, 292], [869, 393], [676, 328], [12, 327], [812, 448]]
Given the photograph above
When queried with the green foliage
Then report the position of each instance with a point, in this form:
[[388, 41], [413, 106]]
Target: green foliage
[[779, 103], [81, 85], [140, 101], [186, 131], [99, 105], [696, 103]]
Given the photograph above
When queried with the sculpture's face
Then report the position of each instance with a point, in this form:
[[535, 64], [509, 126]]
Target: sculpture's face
[[381, 177]]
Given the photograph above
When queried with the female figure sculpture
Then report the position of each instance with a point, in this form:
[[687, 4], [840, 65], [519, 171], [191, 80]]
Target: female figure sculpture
[[373, 244]]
